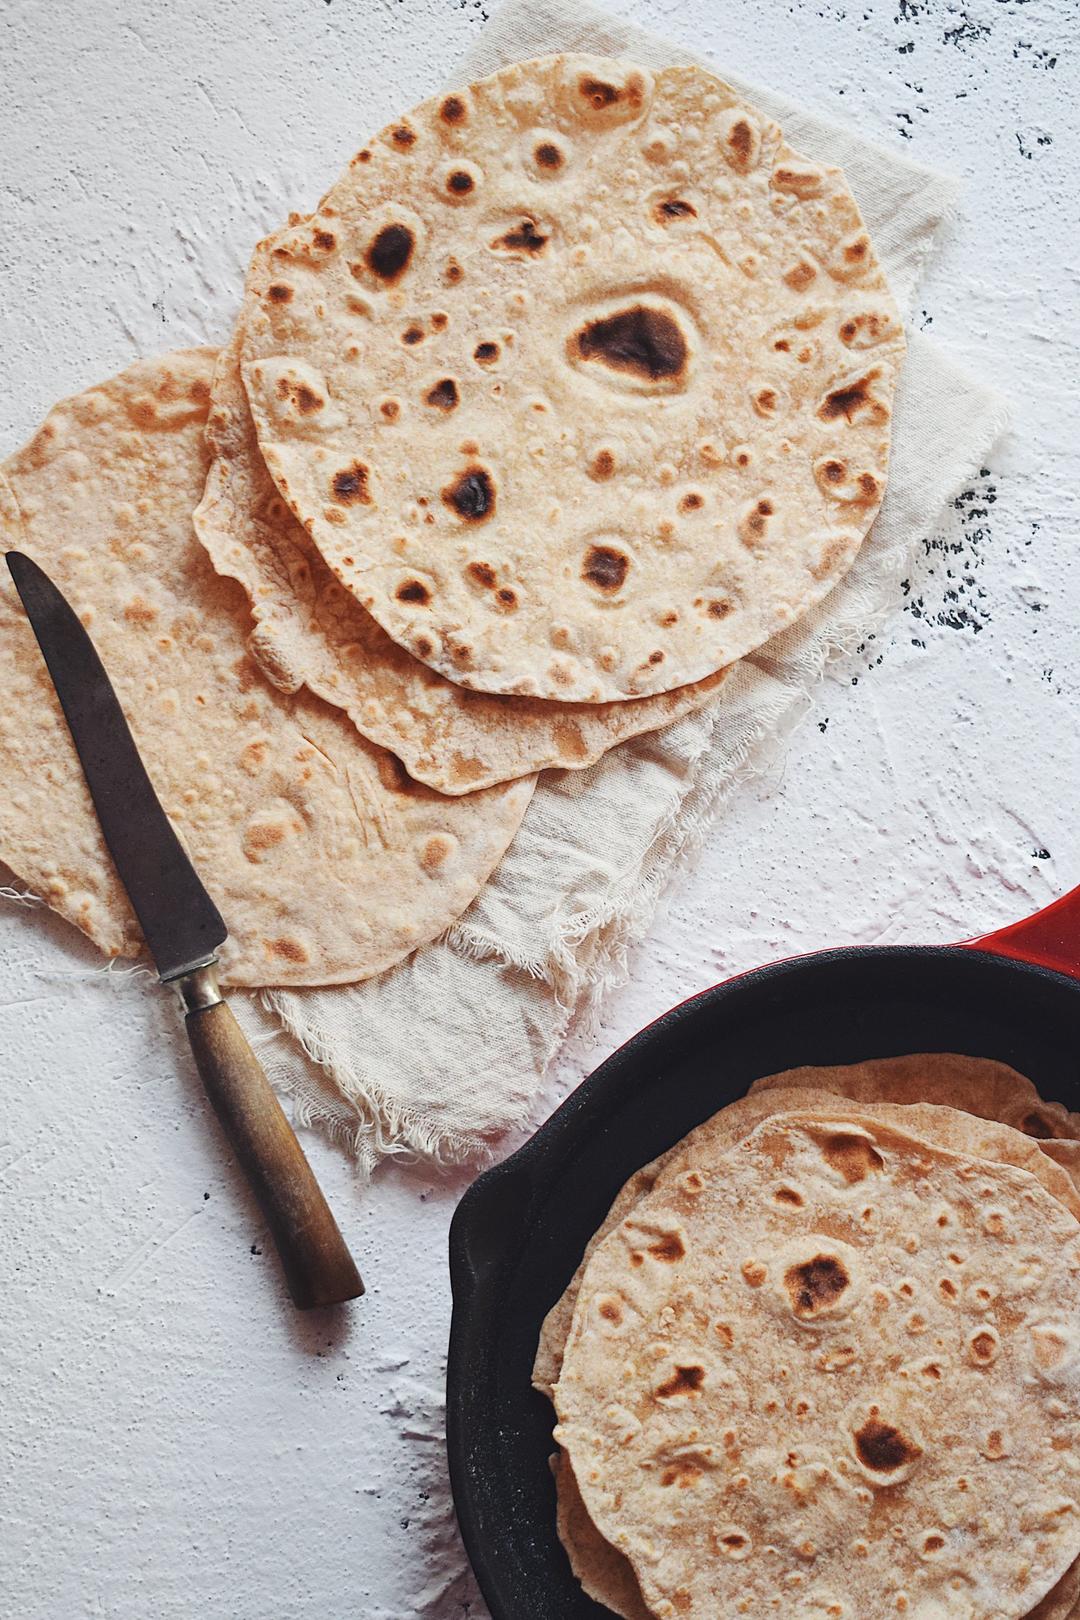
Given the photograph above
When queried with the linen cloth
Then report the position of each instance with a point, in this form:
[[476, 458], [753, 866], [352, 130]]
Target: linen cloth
[[446, 1052]]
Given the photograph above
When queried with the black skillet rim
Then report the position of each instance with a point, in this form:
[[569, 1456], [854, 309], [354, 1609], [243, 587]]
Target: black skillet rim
[[539, 1161]]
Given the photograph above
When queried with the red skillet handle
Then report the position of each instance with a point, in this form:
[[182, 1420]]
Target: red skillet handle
[[1050, 938]]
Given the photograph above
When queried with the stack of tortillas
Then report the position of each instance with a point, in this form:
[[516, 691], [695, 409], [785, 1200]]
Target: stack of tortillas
[[576, 388], [823, 1358]]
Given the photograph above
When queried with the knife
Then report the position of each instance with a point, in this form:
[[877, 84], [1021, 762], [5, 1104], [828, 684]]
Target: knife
[[183, 929]]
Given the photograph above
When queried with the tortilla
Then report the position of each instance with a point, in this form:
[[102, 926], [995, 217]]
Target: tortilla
[[895, 1081], [310, 631], [1063, 1603], [979, 1086], [605, 1573], [580, 379], [329, 864], [838, 1362]]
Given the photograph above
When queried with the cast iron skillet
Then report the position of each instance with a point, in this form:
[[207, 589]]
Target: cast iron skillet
[[520, 1230]]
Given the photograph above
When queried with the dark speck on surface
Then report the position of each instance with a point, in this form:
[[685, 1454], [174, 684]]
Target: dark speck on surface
[[966, 32], [1023, 50], [956, 558]]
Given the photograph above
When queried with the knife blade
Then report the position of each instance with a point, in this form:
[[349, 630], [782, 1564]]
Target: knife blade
[[183, 928], [180, 923]]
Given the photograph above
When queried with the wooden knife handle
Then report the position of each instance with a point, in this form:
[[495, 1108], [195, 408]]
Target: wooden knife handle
[[318, 1267]]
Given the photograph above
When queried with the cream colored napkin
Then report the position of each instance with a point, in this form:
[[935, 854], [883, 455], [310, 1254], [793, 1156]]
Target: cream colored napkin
[[443, 1054]]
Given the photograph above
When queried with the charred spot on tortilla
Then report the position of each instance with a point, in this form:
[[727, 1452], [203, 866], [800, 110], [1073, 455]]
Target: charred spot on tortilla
[[390, 251], [443, 394], [523, 239], [471, 495], [351, 485], [413, 590], [645, 341], [669, 208], [605, 567], [848, 401]]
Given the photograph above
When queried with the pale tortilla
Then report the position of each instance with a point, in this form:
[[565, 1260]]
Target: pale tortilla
[[834, 1340], [979, 1086], [312, 632], [327, 862], [604, 1574], [580, 379], [946, 1078], [939, 1094]]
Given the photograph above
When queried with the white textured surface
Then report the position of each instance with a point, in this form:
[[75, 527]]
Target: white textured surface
[[173, 1440]]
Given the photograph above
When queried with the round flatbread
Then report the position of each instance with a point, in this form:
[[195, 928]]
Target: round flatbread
[[580, 379], [311, 631], [328, 863], [920, 1093], [604, 1572], [838, 1362]]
